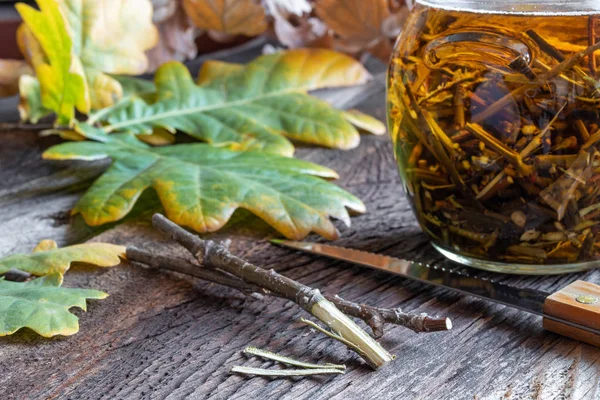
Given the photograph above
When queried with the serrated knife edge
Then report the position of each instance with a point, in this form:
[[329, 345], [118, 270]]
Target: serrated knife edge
[[532, 299]]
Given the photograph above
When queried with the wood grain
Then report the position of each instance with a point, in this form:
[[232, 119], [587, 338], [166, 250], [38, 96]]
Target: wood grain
[[565, 304], [161, 336]]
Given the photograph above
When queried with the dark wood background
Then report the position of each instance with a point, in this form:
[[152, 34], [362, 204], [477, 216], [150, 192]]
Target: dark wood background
[[159, 336]]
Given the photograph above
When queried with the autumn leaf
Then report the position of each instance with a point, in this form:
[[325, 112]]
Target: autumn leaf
[[243, 17], [176, 40], [45, 42], [355, 21], [47, 258], [42, 306], [200, 186], [363, 25], [257, 106], [213, 70], [366, 122], [74, 44]]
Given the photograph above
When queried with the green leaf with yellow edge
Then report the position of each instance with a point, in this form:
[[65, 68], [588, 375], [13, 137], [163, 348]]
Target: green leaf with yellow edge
[[47, 258], [42, 305], [200, 186], [259, 106], [365, 122], [74, 45], [217, 70]]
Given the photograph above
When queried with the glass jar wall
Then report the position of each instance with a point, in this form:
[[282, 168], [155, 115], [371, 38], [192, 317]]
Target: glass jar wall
[[494, 111]]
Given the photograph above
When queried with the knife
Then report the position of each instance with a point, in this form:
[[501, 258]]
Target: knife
[[574, 311]]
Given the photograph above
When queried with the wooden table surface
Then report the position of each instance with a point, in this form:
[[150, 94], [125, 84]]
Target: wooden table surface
[[160, 336]]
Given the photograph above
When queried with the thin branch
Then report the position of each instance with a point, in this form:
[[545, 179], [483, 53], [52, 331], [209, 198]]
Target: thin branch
[[215, 255], [159, 262], [375, 317], [18, 126]]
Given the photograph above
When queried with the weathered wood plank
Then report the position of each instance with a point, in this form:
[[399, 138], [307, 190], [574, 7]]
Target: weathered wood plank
[[161, 337]]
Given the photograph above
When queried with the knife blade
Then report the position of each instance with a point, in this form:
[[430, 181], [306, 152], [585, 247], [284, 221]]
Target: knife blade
[[529, 300]]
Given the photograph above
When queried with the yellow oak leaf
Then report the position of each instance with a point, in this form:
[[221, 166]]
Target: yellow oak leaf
[[74, 44], [47, 258], [49, 48]]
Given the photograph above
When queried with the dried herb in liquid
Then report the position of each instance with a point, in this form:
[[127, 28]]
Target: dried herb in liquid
[[495, 121]]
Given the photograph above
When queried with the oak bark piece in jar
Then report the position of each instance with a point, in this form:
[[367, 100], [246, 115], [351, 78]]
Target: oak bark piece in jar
[[494, 111]]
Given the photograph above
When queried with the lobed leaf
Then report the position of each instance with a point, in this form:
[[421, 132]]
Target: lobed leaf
[[213, 70], [42, 305], [47, 259], [257, 106], [200, 186]]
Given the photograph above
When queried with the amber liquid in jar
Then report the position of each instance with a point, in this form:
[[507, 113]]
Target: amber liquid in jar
[[495, 122]]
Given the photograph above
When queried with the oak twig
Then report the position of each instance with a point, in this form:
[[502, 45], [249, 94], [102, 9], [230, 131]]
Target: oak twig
[[217, 256], [19, 126], [375, 317]]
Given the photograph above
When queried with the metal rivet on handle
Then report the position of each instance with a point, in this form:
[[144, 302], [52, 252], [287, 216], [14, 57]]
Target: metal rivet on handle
[[587, 299]]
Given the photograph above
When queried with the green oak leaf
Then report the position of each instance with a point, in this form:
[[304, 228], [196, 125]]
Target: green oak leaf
[[48, 259], [259, 106], [42, 306], [200, 186], [214, 72]]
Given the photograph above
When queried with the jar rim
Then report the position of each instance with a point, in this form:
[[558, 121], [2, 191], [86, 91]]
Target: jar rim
[[518, 7]]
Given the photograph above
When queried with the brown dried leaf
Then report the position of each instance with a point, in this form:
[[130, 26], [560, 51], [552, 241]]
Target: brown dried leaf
[[370, 26], [238, 17], [176, 36], [354, 21], [296, 32]]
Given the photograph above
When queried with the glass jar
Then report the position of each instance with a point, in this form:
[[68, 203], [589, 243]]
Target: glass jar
[[494, 112]]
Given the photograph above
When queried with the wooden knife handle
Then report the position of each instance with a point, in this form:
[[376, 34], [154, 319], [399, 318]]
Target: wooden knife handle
[[579, 303]]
